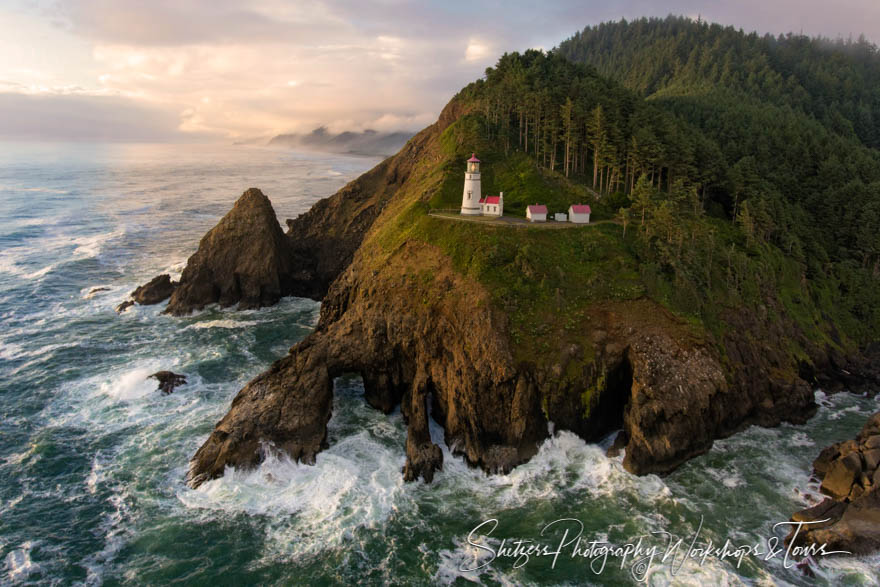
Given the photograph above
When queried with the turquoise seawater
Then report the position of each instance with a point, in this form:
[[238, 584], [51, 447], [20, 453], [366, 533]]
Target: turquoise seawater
[[92, 457]]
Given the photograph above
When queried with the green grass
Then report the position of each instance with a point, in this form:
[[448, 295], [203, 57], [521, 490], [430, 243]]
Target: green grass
[[516, 174], [543, 279], [546, 281]]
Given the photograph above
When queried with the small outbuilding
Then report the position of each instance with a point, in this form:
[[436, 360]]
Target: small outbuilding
[[492, 205], [536, 213], [579, 214], [560, 217]]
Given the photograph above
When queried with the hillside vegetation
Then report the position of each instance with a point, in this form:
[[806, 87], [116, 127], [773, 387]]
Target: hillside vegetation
[[794, 120], [694, 230]]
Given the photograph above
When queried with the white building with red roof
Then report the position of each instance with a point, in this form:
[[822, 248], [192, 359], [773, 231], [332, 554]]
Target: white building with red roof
[[536, 213], [579, 213], [492, 205], [472, 201]]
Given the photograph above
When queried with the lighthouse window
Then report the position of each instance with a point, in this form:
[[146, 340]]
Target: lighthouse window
[[469, 194]]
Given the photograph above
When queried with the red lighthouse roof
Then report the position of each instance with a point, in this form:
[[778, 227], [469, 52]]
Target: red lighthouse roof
[[473, 158]]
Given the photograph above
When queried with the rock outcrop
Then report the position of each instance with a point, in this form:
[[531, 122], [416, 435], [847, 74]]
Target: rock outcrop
[[168, 381], [244, 260], [248, 260], [849, 520], [419, 344], [124, 306], [437, 346], [157, 290]]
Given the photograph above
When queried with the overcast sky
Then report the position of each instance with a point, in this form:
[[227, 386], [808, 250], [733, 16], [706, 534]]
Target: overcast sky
[[225, 70]]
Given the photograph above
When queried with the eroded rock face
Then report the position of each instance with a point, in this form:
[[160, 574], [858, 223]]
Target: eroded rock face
[[421, 344], [157, 290], [248, 260], [285, 408], [439, 343], [244, 260], [368, 327], [850, 519]]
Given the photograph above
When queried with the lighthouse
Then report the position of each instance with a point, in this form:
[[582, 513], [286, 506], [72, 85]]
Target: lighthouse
[[470, 197]]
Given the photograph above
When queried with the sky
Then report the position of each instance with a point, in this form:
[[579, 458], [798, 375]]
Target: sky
[[236, 70]]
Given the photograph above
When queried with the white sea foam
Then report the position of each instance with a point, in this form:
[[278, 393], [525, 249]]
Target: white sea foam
[[91, 246], [467, 562], [728, 477], [564, 463], [226, 323], [131, 386], [39, 273], [354, 484], [800, 438], [18, 563]]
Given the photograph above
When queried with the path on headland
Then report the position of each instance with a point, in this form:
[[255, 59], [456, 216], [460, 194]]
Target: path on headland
[[514, 221]]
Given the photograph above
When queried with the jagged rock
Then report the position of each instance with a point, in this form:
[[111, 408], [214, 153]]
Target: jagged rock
[[827, 509], [823, 461], [422, 461], [124, 306], [157, 290], [854, 527], [416, 342], [244, 260], [423, 457], [872, 458], [286, 407], [618, 445], [853, 515], [96, 290], [168, 381], [841, 475]]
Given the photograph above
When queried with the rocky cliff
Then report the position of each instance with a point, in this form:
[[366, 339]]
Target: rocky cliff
[[248, 260], [430, 337]]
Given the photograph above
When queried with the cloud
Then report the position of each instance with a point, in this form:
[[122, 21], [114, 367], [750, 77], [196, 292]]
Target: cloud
[[476, 51], [240, 69]]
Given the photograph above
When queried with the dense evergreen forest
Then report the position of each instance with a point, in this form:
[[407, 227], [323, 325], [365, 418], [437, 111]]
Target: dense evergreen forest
[[730, 158], [837, 82]]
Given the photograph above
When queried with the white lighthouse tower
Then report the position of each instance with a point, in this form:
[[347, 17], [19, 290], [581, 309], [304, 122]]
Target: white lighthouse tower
[[470, 197]]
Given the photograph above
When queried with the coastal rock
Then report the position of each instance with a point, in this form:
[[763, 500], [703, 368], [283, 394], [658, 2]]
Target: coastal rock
[[668, 393], [124, 306], [247, 259], [157, 290], [168, 381], [244, 260], [422, 334], [850, 519], [841, 476], [285, 408]]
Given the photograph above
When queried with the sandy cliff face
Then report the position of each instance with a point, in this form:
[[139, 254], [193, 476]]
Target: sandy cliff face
[[426, 337]]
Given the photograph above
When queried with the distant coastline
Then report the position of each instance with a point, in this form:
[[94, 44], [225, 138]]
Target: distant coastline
[[369, 143]]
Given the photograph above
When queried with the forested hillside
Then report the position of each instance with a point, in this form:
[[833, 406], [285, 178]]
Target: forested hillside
[[837, 82], [723, 186]]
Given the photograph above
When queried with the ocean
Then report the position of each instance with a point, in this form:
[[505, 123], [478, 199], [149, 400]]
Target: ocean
[[93, 457]]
